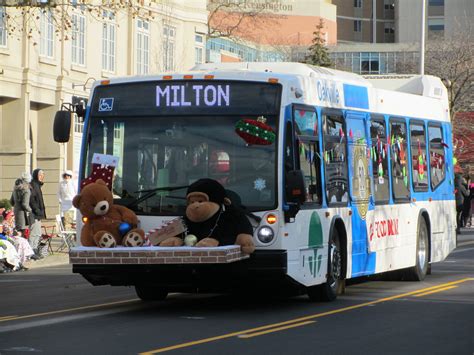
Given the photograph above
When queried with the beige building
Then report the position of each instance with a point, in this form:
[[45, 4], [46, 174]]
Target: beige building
[[399, 21], [57, 56]]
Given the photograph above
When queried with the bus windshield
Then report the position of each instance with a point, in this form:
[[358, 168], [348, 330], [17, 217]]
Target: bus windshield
[[161, 155]]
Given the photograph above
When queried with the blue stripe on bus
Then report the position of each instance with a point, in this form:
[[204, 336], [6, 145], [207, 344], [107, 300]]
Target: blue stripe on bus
[[356, 96]]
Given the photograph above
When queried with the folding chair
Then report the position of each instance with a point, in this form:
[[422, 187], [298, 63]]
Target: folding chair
[[46, 237], [68, 236]]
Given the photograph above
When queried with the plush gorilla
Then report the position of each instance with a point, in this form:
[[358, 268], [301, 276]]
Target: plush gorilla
[[213, 220]]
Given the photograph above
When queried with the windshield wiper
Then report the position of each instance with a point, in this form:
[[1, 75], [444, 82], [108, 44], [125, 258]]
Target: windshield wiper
[[152, 192]]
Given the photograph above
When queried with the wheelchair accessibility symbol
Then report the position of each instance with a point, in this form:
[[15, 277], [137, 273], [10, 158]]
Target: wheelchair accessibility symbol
[[106, 104]]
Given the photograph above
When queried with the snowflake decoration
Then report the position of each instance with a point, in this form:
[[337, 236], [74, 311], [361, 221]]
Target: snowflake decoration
[[259, 184]]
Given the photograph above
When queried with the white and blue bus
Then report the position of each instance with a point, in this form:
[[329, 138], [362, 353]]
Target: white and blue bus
[[341, 176]]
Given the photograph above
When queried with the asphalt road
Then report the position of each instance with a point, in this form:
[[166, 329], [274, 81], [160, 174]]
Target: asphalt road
[[52, 311]]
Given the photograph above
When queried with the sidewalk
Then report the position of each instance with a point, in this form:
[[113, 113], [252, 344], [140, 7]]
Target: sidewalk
[[58, 258], [55, 259]]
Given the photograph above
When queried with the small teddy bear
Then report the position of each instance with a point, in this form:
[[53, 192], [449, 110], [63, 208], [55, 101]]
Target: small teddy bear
[[106, 225]]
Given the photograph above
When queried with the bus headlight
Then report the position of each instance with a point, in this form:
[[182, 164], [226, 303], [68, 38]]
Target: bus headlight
[[265, 234]]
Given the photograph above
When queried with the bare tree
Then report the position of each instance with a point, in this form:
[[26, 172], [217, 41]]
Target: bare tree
[[452, 59], [21, 15], [236, 19]]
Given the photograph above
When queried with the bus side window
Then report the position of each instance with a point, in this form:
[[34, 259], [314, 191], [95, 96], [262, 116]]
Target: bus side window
[[399, 156], [436, 155], [310, 165], [307, 145], [380, 151], [288, 153], [335, 160], [418, 156]]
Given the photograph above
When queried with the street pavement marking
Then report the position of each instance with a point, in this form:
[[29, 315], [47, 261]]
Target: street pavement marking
[[251, 335], [66, 310], [436, 290], [301, 319], [7, 318]]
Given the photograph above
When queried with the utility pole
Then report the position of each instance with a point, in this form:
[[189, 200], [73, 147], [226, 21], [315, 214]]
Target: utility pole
[[422, 42], [374, 21]]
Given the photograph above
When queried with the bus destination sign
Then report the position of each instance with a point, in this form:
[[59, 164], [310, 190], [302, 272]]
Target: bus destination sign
[[193, 95], [183, 97]]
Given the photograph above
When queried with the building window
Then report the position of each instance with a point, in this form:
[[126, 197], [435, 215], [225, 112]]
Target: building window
[[436, 3], [198, 49], [370, 63], [357, 26], [78, 55], [108, 42], [389, 28], [143, 46], [3, 27], [78, 125], [358, 3], [389, 5], [436, 24], [47, 34], [169, 37]]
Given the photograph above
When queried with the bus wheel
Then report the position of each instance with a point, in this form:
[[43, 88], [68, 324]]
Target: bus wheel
[[335, 283], [150, 293], [419, 271]]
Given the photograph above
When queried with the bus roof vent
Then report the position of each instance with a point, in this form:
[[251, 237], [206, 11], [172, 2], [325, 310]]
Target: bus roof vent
[[424, 85]]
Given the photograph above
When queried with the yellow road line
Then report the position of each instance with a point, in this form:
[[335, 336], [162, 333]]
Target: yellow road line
[[66, 310], [246, 336], [436, 290], [6, 317], [301, 319]]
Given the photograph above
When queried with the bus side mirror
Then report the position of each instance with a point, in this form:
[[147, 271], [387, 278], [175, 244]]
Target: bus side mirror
[[62, 126], [295, 193]]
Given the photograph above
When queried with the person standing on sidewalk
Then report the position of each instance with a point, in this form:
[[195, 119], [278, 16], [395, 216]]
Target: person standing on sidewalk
[[66, 192], [38, 208], [461, 194], [21, 203]]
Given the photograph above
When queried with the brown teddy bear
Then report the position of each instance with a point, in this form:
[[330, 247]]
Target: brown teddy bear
[[212, 220], [106, 225]]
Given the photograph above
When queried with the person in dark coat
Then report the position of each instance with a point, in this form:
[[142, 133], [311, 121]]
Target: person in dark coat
[[37, 207], [461, 194], [20, 200], [466, 208]]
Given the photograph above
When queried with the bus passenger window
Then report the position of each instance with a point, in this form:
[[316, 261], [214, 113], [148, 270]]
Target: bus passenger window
[[310, 166], [307, 143], [399, 156], [418, 157], [335, 160], [380, 151], [436, 156]]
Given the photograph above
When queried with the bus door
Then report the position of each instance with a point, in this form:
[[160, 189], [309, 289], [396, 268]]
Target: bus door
[[363, 262]]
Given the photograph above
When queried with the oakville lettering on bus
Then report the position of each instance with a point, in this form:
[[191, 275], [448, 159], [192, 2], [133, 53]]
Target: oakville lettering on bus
[[197, 95], [384, 228], [328, 93]]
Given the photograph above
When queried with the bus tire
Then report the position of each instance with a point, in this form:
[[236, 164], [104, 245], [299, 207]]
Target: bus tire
[[420, 270], [150, 293], [335, 282]]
